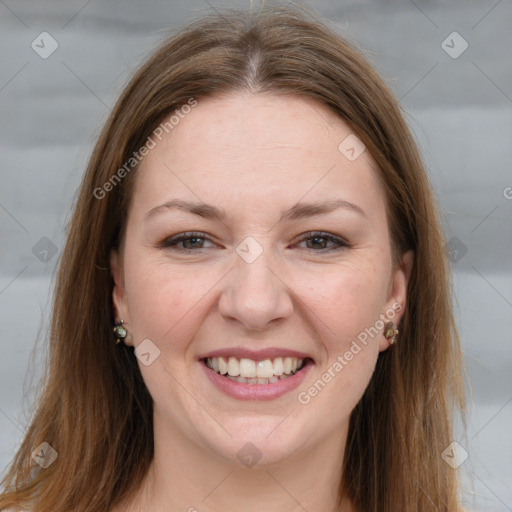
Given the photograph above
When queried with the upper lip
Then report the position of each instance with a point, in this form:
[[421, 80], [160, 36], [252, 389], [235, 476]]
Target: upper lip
[[256, 355]]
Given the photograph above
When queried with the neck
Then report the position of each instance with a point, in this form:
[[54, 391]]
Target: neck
[[186, 477]]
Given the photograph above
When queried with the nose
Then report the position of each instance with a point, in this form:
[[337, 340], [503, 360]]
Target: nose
[[254, 294]]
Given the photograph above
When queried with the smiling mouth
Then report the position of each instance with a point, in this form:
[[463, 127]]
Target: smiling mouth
[[249, 371]]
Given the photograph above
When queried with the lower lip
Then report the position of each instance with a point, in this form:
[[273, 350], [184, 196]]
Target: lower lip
[[270, 391]]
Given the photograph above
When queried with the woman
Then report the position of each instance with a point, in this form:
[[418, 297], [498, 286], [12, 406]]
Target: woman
[[256, 227]]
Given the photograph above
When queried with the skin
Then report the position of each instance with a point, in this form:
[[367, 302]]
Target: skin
[[255, 156]]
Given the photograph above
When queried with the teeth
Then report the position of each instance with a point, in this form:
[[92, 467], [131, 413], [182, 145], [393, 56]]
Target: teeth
[[254, 372], [248, 368], [271, 380], [223, 366], [233, 367], [264, 369], [278, 366]]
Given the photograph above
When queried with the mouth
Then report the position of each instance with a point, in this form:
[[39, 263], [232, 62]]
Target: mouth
[[256, 372]]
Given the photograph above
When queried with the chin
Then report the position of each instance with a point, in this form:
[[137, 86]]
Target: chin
[[259, 441]]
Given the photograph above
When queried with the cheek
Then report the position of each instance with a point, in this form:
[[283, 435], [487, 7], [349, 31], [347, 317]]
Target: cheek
[[346, 299], [166, 302], [345, 310], [157, 298]]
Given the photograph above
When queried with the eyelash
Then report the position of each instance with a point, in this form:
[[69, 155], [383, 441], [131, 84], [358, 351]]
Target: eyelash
[[172, 242]]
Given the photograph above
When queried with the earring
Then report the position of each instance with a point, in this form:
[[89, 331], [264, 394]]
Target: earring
[[120, 331], [390, 333]]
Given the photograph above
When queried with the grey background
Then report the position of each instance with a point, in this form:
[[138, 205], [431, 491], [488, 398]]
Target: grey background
[[460, 110]]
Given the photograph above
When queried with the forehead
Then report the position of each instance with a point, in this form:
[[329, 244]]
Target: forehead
[[259, 149]]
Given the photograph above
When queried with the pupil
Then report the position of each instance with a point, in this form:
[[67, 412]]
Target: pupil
[[194, 242], [315, 240]]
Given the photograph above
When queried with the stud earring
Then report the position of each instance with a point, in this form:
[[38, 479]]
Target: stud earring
[[120, 331], [390, 333]]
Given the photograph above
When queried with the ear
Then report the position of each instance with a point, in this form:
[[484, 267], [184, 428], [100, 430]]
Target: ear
[[395, 305], [119, 301]]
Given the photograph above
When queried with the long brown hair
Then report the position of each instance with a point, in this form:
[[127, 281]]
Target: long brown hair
[[95, 410]]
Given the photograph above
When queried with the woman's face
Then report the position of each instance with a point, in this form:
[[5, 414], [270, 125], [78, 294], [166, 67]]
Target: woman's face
[[289, 258]]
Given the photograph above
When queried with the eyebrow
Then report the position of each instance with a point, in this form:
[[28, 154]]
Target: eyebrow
[[298, 211]]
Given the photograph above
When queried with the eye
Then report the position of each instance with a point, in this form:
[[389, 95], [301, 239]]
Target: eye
[[322, 242], [186, 241], [191, 241]]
